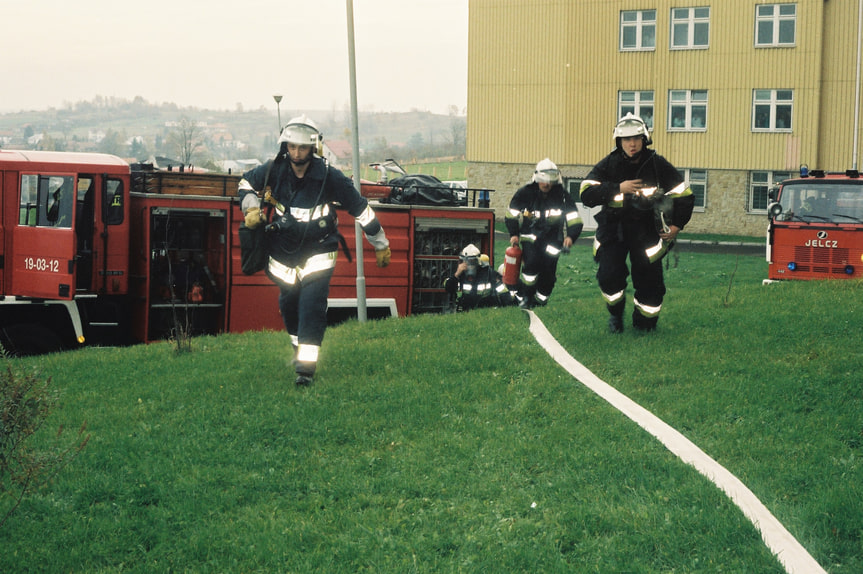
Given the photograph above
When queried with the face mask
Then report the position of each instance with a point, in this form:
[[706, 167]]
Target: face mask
[[472, 265]]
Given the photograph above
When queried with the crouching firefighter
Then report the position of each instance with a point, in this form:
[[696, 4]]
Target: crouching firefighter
[[302, 238], [645, 204], [475, 284]]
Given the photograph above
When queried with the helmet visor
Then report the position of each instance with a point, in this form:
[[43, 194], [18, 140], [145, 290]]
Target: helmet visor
[[548, 176], [300, 134]]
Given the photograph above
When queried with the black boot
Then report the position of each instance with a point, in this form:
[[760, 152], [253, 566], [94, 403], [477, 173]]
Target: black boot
[[642, 323], [303, 381], [615, 320]]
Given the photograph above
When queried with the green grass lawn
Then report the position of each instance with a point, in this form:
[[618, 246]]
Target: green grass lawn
[[453, 443]]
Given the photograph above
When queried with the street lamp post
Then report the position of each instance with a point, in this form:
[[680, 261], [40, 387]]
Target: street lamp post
[[278, 98]]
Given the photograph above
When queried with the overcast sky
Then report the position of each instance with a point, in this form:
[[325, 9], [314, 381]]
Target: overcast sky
[[410, 54]]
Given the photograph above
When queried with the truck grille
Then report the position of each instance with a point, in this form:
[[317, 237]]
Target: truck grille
[[821, 260]]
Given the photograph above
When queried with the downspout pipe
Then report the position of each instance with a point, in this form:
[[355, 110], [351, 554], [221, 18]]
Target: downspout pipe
[[857, 84]]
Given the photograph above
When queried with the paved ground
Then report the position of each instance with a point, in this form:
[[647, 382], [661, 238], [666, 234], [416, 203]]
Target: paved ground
[[722, 247], [743, 248]]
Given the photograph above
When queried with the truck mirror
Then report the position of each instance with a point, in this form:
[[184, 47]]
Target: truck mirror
[[774, 210]]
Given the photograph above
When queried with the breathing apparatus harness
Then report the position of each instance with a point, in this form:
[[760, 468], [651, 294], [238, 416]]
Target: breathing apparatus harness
[[286, 223]]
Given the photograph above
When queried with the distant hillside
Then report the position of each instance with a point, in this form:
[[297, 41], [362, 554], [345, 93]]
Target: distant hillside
[[137, 129]]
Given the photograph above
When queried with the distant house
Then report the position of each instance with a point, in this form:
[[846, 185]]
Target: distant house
[[162, 163], [95, 136], [238, 166], [339, 153]]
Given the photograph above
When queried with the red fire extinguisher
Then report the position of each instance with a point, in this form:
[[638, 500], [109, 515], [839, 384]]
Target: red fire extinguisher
[[511, 265]]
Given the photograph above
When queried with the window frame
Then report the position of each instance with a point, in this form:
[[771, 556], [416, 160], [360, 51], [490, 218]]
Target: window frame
[[640, 24], [776, 20], [691, 21], [688, 104], [775, 104], [639, 101], [772, 179], [47, 200], [700, 181]]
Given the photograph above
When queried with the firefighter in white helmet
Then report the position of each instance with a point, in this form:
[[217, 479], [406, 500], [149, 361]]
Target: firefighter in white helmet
[[645, 204], [544, 219], [302, 237], [475, 284]]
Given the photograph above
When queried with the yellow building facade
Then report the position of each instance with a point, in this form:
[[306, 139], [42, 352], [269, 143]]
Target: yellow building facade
[[738, 93]]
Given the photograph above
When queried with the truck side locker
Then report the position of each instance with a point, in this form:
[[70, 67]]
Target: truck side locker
[[179, 263], [439, 235]]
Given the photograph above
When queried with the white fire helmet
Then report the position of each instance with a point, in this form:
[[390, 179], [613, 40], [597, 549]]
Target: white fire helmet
[[302, 131], [546, 172], [470, 257], [470, 250], [631, 125]]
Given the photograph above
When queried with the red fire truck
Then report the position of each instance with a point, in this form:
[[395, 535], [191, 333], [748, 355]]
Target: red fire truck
[[93, 251], [816, 227]]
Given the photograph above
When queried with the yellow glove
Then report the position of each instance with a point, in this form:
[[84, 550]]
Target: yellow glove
[[254, 217], [383, 256]]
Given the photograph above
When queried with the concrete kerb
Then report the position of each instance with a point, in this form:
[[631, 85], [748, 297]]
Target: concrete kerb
[[793, 556]]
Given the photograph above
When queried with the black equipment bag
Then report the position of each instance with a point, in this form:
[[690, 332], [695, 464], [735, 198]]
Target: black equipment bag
[[422, 189], [254, 255]]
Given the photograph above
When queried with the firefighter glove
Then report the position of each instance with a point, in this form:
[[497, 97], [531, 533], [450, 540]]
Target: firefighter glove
[[254, 217], [383, 256]]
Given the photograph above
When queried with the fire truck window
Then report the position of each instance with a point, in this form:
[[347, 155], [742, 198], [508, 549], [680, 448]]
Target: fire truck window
[[46, 200], [84, 216], [29, 200], [114, 202], [58, 201]]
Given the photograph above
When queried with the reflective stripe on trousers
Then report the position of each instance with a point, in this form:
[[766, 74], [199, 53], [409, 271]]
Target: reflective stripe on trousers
[[290, 275], [647, 310]]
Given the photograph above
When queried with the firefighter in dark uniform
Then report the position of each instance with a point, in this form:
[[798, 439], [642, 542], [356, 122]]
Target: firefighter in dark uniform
[[303, 237], [645, 204], [475, 284], [542, 217]]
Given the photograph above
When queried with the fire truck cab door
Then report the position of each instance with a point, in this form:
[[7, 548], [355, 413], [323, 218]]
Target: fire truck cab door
[[44, 244]]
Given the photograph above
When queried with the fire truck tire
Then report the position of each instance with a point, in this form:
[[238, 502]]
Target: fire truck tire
[[28, 340]]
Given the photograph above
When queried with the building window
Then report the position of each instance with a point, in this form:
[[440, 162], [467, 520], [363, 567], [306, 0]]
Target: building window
[[775, 25], [687, 110], [636, 103], [759, 186], [771, 110], [638, 30], [690, 28], [696, 180]]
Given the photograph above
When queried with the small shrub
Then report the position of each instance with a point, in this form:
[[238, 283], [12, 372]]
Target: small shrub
[[26, 400]]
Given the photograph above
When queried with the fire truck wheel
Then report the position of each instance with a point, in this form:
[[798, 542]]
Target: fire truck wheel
[[27, 340]]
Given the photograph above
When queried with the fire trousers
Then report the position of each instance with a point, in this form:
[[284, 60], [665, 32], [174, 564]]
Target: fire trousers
[[647, 278], [303, 306], [539, 270]]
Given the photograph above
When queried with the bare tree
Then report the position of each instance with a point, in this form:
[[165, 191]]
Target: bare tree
[[186, 139], [458, 132]]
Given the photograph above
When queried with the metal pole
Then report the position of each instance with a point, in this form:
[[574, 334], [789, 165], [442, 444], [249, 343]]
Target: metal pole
[[857, 84], [355, 143], [278, 99]]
